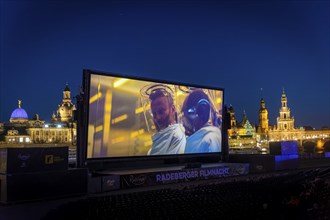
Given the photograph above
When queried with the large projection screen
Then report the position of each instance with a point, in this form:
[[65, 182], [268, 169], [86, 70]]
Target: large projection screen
[[121, 117]]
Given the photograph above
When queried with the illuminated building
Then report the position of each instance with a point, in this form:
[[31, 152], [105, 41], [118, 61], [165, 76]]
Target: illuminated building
[[263, 119], [16, 130], [1, 128], [242, 134], [65, 110], [285, 129], [22, 130]]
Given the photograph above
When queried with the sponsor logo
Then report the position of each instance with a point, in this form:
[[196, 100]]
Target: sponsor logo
[[241, 169], [23, 158], [137, 180], [49, 159], [110, 182]]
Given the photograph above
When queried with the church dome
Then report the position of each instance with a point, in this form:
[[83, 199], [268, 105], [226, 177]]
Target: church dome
[[19, 113]]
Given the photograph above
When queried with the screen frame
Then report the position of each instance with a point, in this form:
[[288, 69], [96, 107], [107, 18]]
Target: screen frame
[[137, 162]]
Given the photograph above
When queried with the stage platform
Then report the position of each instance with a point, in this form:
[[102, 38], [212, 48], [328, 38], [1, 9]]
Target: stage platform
[[108, 180]]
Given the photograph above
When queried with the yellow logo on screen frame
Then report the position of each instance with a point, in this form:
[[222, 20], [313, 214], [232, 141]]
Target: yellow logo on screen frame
[[49, 159]]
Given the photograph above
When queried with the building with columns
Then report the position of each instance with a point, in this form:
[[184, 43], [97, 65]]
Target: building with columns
[[242, 135], [285, 129], [22, 130]]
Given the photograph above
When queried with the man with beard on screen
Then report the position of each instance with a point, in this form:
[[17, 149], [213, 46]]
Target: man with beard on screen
[[170, 137], [203, 136]]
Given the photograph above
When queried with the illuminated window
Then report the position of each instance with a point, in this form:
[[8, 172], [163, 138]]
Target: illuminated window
[[27, 139], [20, 139]]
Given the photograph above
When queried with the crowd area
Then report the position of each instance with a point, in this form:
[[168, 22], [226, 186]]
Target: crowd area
[[295, 194]]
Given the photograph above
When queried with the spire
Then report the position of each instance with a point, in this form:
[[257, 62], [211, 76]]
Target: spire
[[244, 119], [262, 104], [67, 87], [19, 103], [283, 93]]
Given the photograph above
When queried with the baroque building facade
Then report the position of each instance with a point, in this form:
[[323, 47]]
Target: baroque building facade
[[22, 130], [285, 129], [241, 134], [245, 135], [263, 126]]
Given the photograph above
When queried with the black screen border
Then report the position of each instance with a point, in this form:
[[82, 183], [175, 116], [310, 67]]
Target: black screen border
[[137, 162]]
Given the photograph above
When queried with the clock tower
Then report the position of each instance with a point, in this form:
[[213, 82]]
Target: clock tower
[[263, 119]]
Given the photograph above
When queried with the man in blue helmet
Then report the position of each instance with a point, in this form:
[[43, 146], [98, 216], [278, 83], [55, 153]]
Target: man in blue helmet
[[203, 137]]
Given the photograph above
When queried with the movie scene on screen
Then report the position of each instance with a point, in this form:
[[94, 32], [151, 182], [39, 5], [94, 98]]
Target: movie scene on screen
[[132, 117]]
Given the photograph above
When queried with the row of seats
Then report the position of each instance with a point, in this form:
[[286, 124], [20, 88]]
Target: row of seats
[[299, 194]]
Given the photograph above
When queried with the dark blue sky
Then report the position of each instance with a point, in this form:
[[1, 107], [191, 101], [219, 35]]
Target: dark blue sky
[[241, 46]]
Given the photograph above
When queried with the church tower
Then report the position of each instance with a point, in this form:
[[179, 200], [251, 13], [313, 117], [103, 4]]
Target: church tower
[[263, 118], [66, 94], [233, 121], [285, 121], [66, 108]]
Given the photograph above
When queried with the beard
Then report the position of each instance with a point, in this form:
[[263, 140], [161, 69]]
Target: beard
[[162, 124]]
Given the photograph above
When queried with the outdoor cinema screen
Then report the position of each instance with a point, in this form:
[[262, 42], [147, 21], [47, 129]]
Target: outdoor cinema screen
[[137, 117]]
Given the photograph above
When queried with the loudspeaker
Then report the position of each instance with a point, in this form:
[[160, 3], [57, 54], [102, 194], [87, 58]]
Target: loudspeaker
[[283, 148], [40, 185], [33, 159], [286, 162]]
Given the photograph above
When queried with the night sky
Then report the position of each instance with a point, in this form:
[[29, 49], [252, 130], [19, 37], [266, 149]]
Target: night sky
[[241, 46]]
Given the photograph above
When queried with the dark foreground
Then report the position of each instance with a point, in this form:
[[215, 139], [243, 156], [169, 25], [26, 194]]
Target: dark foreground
[[303, 193]]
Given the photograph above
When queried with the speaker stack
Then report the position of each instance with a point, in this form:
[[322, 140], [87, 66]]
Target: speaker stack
[[286, 154], [37, 173]]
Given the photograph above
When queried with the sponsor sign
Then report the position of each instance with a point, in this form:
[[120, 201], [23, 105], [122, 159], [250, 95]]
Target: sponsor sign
[[23, 160], [183, 175], [110, 183]]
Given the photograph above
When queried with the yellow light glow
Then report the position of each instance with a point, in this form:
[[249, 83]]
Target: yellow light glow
[[95, 97], [178, 93], [99, 128], [319, 144], [141, 131], [138, 110], [148, 143], [119, 82], [120, 118], [218, 100], [136, 133], [107, 117], [117, 140]]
